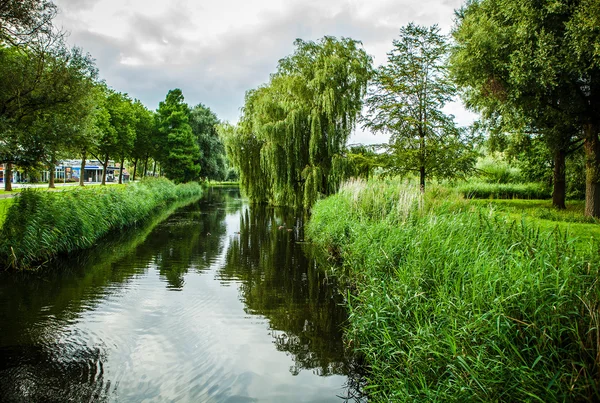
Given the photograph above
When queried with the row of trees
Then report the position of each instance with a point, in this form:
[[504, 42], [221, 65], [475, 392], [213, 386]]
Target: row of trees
[[291, 144], [53, 106], [531, 69]]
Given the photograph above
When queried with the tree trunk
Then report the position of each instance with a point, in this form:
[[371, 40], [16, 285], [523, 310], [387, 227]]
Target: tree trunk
[[592, 170], [146, 166], [51, 172], [104, 168], [134, 170], [154, 169], [121, 171], [8, 177], [82, 171], [559, 180], [422, 160]]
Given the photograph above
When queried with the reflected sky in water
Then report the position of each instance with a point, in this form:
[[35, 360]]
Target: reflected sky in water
[[216, 302]]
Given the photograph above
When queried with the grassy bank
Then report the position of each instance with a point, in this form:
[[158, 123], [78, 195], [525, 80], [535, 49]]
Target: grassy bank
[[458, 301], [40, 225]]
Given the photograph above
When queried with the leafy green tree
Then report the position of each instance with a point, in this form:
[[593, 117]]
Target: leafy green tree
[[179, 153], [38, 85], [144, 132], [107, 133], [406, 101], [204, 124], [293, 127], [124, 119], [537, 64]]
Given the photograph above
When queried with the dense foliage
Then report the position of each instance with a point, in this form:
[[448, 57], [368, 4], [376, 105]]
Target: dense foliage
[[288, 146], [40, 225], [453, 301], [533, 67]]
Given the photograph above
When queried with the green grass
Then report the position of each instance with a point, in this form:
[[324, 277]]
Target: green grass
[[59, 188], [456, 300], [222, 183], [40, 225], [483, 190]]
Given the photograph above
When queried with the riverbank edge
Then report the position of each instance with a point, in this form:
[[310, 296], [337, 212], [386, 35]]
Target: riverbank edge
[[454, 301], [39, 225]]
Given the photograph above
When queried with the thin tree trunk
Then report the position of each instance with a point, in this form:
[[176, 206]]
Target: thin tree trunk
[[51, 172], [82, 171], [146, 166], [134, 169], [559, 179], [8, 177], [592, 170], [104, 168], [154, 169], [422, 167], [121, 171]]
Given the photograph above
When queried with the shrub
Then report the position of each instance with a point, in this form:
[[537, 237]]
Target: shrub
[[40, 225]]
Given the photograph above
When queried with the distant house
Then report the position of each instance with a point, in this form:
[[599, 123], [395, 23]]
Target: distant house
[[70, 171]]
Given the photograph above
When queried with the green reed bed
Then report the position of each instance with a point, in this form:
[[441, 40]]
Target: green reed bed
[[40, 225], [453, 301]]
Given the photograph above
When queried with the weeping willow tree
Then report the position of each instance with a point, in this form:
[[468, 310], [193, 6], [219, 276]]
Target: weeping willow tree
[[290, 142]]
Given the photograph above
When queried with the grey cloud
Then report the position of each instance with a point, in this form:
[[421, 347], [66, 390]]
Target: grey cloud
[[219, 73]]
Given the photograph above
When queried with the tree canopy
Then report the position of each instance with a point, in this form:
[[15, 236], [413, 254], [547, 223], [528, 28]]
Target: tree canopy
[[180, 152], [293, 128], [535, 64], [406, 101]]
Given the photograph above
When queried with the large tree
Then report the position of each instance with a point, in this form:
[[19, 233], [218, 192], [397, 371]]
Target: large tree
[[204, 124], [537, 62], [143, 146], [297, 124], [178, 153], [406, 101]]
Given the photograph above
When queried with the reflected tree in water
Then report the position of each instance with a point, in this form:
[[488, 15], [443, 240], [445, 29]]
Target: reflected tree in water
[[282, 284]]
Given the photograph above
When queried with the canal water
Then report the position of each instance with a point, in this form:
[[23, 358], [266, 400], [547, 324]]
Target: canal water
[[216, 302]]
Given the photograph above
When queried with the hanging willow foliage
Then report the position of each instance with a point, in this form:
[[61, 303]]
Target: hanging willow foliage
[[294, 127]]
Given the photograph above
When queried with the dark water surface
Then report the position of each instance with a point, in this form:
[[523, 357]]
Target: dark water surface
[[216, 303]]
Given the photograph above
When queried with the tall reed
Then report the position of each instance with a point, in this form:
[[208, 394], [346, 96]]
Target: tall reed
[[40, 225], [454, 302]]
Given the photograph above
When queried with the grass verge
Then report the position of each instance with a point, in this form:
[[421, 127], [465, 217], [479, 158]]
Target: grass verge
[[40, 225], [457, 301]]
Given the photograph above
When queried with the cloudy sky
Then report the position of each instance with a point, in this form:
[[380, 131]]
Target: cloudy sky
[[215, 50]]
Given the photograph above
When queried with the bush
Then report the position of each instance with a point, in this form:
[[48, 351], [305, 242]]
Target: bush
[[453, 302], [40, 225], [497, 171]]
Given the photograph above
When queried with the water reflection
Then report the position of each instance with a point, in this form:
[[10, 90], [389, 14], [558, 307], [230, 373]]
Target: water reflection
[[281, 283], [251, 318]]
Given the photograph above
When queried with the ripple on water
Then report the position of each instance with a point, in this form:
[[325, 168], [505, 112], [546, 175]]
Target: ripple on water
[[123, 334]]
